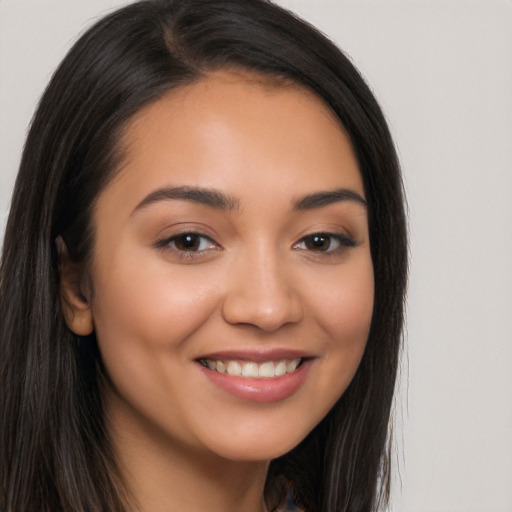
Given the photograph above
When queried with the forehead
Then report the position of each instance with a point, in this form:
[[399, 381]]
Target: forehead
[[231, 129]]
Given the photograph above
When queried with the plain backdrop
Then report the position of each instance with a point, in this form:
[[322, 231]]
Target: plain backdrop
[[443, 72]]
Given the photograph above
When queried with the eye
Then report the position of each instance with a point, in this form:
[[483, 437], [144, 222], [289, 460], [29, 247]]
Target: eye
[[191, 242], [325, 242]]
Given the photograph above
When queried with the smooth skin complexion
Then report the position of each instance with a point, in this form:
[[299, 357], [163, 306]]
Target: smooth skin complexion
[[234, 237]]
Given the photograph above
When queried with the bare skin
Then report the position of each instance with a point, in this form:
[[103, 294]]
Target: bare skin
[[181, 480], [234, 236]]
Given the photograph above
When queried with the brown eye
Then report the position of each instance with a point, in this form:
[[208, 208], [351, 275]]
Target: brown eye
[[191, 242], [187, 242], [319, 242], [325, 243]]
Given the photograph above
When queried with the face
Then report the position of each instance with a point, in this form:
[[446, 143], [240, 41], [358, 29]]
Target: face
[[232, 283]]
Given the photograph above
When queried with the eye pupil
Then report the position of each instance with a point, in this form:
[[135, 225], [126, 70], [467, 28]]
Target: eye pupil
[[187, 242], [318, 242]]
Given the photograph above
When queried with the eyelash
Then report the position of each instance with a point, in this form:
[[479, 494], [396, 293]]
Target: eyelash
[[342, 240], [170, 243]]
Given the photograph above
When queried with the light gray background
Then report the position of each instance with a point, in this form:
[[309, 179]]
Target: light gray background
[[443, 73]]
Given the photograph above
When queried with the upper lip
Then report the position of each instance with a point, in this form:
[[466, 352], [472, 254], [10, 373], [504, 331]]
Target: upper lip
[[258, 356]]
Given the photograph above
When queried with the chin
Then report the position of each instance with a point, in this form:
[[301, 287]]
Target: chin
[[258, 447]]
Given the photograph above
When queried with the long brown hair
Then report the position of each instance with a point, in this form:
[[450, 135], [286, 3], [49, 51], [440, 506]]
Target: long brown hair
[[54, 450]]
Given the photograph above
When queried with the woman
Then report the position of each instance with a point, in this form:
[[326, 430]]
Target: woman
[[203, 272]]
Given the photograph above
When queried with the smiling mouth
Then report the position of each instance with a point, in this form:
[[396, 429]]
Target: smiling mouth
[[252, 369]]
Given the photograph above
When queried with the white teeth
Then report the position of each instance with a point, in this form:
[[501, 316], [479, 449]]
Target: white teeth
[[266, 370], [253, 370], [292, 365], [234, 368], [250, 370], [280, 369]]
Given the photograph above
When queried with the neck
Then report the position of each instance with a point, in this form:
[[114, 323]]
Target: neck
[[162, 475]]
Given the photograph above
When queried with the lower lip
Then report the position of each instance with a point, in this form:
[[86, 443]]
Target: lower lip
[[260, 390]]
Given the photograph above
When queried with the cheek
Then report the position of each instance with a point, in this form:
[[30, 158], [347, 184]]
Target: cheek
[[343, 309], [151, 304], [344, 305], [143, 323]]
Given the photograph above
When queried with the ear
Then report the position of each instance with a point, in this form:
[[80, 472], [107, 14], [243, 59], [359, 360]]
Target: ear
[[75, 304]]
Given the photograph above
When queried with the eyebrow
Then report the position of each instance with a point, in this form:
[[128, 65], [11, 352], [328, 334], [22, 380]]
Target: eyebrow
[[208, 197], [321, 199], [221, 201]]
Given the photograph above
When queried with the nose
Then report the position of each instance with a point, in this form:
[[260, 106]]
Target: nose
[[261, 293]]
